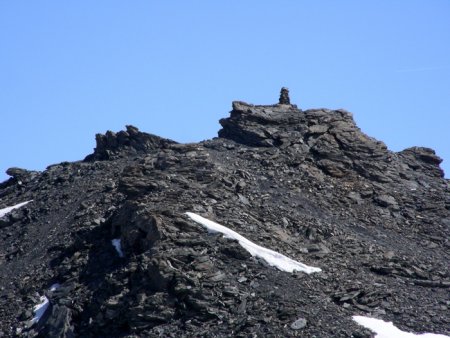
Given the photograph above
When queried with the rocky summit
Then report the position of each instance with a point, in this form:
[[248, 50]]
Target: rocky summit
[[109, 247]]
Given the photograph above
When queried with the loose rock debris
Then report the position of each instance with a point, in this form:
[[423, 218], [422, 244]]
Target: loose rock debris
[[307, 184]]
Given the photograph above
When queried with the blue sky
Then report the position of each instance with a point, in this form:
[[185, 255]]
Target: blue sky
[[71, 69]]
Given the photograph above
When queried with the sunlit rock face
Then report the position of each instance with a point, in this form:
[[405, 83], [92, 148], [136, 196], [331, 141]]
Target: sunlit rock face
[[321, 223]]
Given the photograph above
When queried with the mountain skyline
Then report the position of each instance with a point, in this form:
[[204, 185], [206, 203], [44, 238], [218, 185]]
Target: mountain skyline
[[70, 71]]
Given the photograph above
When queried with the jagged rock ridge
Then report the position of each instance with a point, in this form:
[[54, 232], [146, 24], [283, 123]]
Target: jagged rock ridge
[[125, 143], [308, 184]]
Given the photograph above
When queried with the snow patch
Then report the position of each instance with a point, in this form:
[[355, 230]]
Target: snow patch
[[54, 287], [272, 258], [116, 243], [6, 210], [40, 308], [388, 330]]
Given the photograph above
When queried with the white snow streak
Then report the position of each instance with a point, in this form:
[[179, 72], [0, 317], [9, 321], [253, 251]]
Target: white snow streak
[[54, 287], [118, 246], [40, 308], [6, 210], [273, 258], [388, 330]]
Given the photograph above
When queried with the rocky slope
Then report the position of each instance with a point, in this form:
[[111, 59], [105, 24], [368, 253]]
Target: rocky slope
[[308, 184]]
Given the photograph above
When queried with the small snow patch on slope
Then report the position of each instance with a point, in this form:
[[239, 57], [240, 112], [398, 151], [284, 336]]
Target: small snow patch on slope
[[54, 287], [117, 244], [6, 210], [388, 330], [40, 308], [273, 258]]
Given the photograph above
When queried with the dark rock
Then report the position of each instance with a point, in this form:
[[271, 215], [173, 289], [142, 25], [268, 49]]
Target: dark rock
[[284, 96], [423, 159], [21, 174], [58, 323], [129, 142], [138, 227], [426, 155], [334, 169], [387, 201], [5, 221], [235, 250]]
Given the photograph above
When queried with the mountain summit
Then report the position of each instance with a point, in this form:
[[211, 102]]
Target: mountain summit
[[290, 223]]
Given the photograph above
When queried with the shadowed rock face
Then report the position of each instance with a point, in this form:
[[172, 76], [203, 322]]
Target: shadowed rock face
[[308, 184]]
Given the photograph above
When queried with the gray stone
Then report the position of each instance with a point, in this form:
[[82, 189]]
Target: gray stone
[[318, 129], [387, 201], [299, 324]]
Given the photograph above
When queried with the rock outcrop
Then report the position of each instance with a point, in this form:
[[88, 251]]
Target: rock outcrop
[[125, 143], [308, 184]]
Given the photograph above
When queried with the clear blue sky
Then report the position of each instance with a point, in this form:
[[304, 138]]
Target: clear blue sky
[[71, 69]]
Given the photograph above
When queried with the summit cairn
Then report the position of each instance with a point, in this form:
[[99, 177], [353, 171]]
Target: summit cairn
[[284, 96]]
